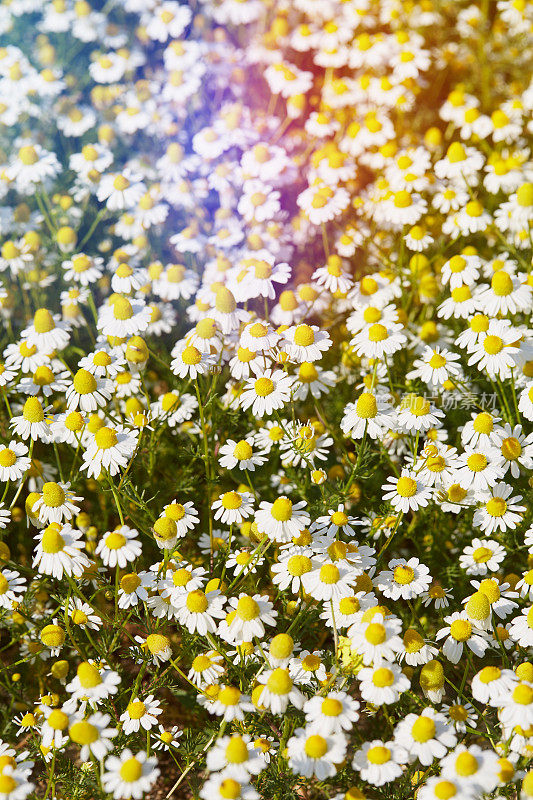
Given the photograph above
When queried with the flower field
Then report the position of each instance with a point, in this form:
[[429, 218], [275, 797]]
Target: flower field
[[266, 399]]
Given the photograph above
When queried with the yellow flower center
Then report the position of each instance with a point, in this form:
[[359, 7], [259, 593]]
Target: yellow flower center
[[329, 574], [279, 682], [523, 695], [130, 582], [496, 507], [282, 509], [229, 789], [403, 574], [243, 451], [83, 733], [7, 457], [377, 332], [375, 633], [493, 344], [511, 448], [105, 438], [258, 330], [131, 770], [406, 487], [191, 355], [229, 696], [53, 495], [137, 709], [33, 410], [298, 565], [461, 630], [316, 746], [478, 607], [122, 308], [197, 602], [175, 511], [115, 540], [52, 541], [304, 336], [88, 675], [423, 729], [263, 387], [58, 720], [476, 462], [444, 790], [237, 750], [231, 500], [331, 707], [489, 674], [247, 608], [466, 764], [378, 754]]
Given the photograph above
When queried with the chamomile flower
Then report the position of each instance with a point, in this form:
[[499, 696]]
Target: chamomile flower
[[406, 492], [313, 753], [14, 462], [499, 511], [405, 579], [119, 547], [379, 762], [58, 551], [282, 520], [140, 713], [459, 632], [129, 775], [93, 735], [241, 455], [233, 507]]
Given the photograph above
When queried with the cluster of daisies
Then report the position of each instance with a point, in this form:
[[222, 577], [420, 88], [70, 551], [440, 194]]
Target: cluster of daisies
[[266, 399]]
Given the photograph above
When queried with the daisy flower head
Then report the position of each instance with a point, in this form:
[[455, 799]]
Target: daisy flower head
[[334, 713], [416, 413], [14, 462], [406, 492], [237, 756], [305, 342], [119, 547], [371, 414], [459, 632], [93, 683], [267, 392], [129, 775], [189, 362], [436, 366], [405, 579], [282, 520], [184, 515], [93, 735], [87, 392], [249, 615], [56, 503], [230, 703], [233, 507], [375, 637], [313, 753], [379, 762], [12, 588], [140, 713], [499, 511], [474, 768], [241, 455], [58, 551], [198, 610], [279, 690], [329, 581], [110, 449]]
